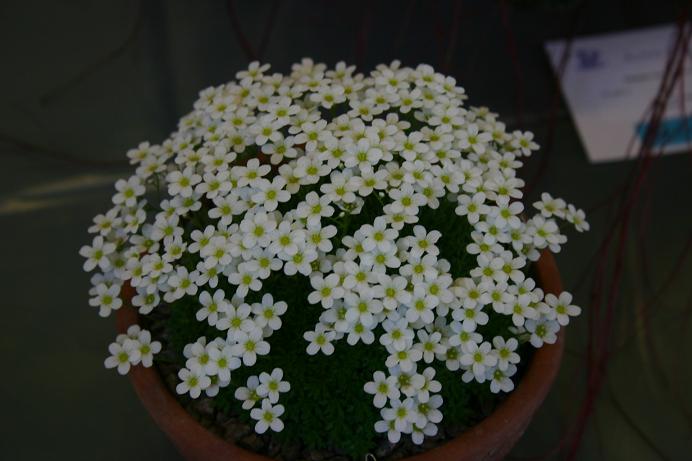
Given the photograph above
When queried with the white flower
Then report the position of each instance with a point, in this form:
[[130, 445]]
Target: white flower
[[524, 142], [507, 214], [563, 307], [270, 194], [286, 240], [301, 261], [477, 358], [214, 184], [248, 394], [520, 310], [401, 413], [505, 352], [128, 191], [280, 149], [549, 206], [512, 265], [378, 235], [370, 180], [225, 208], [327, 289], [249, 346], [418, 434], [500, 379], [406, 200], [544, 232], [192, 381], [236, 320], [212, 306], [342, 187], [104, 224], [357, 276], [145, 301], [382, 388], [245, 279], [398, 334], [360, 332], [271, 385], [362, 155], [248, 174], [263, 263], [406, 359], [392, 291], [197, 354], [388, 426], [542, 331], [423, 395], [309, 169], [180, 283], [147, 348], [312, 133], [362, 307], [139, 154], [319, 238], [268, 313], [106, 298], [222, 362], [424, 242], [577, 217], [320, 340], [420, 269], [257, 229], [266, 130], [498, 296], [97, 254], [217, 253], [446, 117], [314, 208], [254, 71], [268, 417], [421, 307], [489, 270], [182, 182], [473, 139], [503, 189], [430, 345], [472, 207], [470, 318], [123, 355], [413, 147]]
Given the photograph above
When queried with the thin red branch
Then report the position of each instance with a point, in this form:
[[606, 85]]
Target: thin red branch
[[243, 42], [511, 43], [452, 39], [268, 29]]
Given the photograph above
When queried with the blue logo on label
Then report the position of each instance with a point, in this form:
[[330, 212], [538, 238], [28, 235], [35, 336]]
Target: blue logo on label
[[671, 132], [588, 59]]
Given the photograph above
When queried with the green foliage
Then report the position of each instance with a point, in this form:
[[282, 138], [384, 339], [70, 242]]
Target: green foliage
[[327, 407]]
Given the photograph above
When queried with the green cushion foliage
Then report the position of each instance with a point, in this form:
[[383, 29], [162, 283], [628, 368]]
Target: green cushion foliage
[[327, 407]]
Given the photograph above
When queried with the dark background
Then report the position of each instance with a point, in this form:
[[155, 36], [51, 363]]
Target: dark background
[[82, 81]]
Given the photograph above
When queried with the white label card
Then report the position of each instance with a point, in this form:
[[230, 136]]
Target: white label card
[[609, 82]]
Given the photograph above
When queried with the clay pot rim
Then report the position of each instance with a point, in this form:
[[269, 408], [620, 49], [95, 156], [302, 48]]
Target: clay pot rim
[[507, 421]]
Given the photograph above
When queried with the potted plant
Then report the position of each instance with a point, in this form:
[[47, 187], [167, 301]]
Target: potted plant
[[325, 265]]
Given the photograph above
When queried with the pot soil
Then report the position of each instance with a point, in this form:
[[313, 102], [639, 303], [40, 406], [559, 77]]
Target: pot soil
[[489, 440]]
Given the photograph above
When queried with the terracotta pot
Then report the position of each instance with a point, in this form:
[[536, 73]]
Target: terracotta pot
[[491, 439]]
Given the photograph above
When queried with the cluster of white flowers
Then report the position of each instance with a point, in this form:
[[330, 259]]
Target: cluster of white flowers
[[267, 388], [266, 171], [132, 348]]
